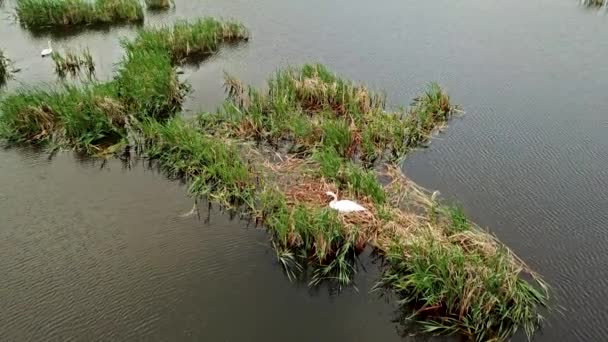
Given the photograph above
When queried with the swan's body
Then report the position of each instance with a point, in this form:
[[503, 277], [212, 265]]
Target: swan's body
[[47, 52], [343, 206]]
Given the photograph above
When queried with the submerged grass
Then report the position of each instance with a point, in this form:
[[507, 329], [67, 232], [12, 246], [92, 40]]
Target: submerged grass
[[36, 14], [73, 63]]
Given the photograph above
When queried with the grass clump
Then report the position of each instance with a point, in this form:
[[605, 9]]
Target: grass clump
[[36, 14], [594, 3], [186, 40], [450, 289], [82, 117], [73, 63], [316, 235], [310, 106], [159, 4], [452, 276], [335, 135], [4, 71], [147, 84], [95, 116], [214, 168]]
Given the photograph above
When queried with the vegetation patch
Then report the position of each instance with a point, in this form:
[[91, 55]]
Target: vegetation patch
[[185, 40], [86, 117], [594, 3], [309, 108], [312, 132], [274, 153], [213, 167], [4, 71], [97, 116], [36, 14]]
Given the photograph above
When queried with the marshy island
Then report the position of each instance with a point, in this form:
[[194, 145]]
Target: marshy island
[[272, 154]]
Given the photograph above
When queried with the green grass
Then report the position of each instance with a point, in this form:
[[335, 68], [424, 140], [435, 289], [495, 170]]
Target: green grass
[[185, 39], [214, 168], [82, 117], [94, 117], [314, 234], [4, 72], [149, 94], [448, 289], [37, 14], [310, 106], [348, 176]]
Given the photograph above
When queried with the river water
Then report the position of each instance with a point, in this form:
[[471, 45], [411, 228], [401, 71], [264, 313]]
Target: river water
[[101, 253]]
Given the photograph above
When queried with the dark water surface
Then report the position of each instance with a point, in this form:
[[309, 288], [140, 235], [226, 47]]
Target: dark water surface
[[103, 254], [91, 253]]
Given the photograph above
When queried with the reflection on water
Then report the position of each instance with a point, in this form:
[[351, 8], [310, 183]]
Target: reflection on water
[[98, 253]]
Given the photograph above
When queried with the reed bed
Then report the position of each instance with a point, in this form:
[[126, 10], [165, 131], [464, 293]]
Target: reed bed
[[333, 134], [36, 14], [73, 63], [273, 153]]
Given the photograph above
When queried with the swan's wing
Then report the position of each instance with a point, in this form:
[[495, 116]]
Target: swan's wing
[[349, 206]]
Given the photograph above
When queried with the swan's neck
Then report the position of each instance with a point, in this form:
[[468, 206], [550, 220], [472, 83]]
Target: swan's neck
[[334, 200]]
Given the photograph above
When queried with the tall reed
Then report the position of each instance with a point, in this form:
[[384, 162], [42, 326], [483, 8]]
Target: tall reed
[[74, 63]]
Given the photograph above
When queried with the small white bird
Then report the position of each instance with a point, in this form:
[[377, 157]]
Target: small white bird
[[343, 206], [48, 51]]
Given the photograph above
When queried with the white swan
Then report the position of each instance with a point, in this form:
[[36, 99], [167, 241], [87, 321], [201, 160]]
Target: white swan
[[48, 51], [343, 206]]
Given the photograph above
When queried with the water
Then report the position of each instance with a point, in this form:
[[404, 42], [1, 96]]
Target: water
[[92, 252]]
